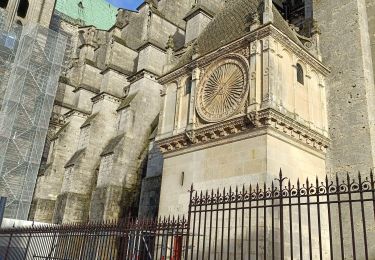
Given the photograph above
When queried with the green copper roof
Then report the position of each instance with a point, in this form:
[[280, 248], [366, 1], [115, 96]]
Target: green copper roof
[[98, 13]]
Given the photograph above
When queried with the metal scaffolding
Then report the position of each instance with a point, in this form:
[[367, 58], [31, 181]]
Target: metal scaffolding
[[31, 61]]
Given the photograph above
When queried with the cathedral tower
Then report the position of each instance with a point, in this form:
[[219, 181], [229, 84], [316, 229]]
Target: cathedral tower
[[246, 99], [36, 11]]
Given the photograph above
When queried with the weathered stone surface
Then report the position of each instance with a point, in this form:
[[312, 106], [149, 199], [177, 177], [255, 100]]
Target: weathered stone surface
[[112, 84], [116, 79], [346, 50], [71, 208], [106, 203], [149, 200]]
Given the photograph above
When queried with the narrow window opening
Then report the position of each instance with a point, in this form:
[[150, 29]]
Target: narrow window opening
[[22, 8], [4, 3], [300, 74], [188, 86], [182, 178]]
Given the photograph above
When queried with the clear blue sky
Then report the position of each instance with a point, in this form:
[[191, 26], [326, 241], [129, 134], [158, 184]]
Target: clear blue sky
[[128, 4]]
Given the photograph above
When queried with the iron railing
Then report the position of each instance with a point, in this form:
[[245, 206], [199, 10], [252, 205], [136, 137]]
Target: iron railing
[[130, 239], [329, 219]]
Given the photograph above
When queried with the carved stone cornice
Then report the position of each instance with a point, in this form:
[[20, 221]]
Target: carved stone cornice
[[203, 61], [105, 96], [142, 74], [301, 52], [204, 134], [75, 112], [291, 127], [263, 119], [260, 33], [57, 119]]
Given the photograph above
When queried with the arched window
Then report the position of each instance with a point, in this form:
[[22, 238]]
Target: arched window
[[300, 74], [4, 3], [188, 86], [22, 8]]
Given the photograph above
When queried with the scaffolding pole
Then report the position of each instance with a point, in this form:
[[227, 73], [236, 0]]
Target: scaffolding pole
[[35, 59]]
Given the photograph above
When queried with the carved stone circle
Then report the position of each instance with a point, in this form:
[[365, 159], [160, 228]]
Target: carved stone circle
[[223, 90]]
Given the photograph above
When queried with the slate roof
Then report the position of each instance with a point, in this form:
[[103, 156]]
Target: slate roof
[[56, 135], [98, 13], [110, 147], [231, 24], [74, 159], [89, 120], [126, 102]]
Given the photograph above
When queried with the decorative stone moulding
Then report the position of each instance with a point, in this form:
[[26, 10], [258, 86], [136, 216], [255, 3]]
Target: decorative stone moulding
[[223, 90], [267, 118], [258, 34], [57, 119]]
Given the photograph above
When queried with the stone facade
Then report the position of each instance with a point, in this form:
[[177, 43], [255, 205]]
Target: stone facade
[[298, 99], [109, 101], [248, 113], [35, 11], [350, 94]]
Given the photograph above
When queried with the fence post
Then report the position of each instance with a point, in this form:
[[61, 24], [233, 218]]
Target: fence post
[[28, 244], [188, 223], [3, 201], [53, 242], [281, 180], [8, 246]]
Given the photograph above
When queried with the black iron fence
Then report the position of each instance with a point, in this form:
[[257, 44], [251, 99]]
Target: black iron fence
[[128, 239], [329, 219]]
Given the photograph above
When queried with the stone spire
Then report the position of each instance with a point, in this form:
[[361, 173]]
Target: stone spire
[[268, 13]]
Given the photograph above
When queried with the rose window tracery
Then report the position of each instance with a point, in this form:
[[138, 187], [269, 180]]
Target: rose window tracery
[[222, 91]]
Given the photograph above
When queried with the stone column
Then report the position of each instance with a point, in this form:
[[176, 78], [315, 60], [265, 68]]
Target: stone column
[[268, 72], [194, 84], [255, 94], [294, 77], [323, 107], [162, 109], [307, 81], [179, 92]]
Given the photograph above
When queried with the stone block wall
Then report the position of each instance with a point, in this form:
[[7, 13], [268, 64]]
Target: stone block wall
[[346, 50], [371, 26], [253, 157]]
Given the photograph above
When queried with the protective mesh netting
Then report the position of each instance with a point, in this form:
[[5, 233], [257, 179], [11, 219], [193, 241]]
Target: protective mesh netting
[[31, 59]]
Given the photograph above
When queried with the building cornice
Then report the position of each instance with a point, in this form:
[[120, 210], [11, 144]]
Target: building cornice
[[151, 43], [141, 74], [87, 88], [105, 96], [76, 112], [260, 33], [263, 119], [198, 9]]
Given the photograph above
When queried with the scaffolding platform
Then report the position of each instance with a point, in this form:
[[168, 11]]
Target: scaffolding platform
[[31, 60]]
